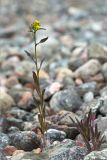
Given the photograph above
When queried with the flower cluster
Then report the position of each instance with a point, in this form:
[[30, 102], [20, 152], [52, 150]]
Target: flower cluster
[[35, 25]]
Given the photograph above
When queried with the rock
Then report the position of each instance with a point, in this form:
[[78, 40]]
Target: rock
[[18, 113], [9, 150], [104, 70], [88, 97], [15, 122], [4, 140], [103, 91], [63, 72], [105, 135], [11, 81], [88, 69], [6, 102], [13, 129], [99, 78], [97, 51], [75, 63], [24, 99], [97, 155], [64, 118], [66, 150], [25, 140], [30, 156], [2, 156], [3, 124], [67, 99], [23, 70], [52, 89], [102, 123], [87, 87], [55, 135], [10, 64]]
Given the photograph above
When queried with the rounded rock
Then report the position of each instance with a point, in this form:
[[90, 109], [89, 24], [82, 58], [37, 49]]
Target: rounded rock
[[25, 140]]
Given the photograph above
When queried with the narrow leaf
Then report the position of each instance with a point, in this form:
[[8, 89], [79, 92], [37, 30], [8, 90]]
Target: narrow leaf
[[43, 40], [36, 82], [29, 55]]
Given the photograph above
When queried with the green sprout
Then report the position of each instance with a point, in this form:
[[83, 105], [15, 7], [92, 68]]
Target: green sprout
[[34, 28]]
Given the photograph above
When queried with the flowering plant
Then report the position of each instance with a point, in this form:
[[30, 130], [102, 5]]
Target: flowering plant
[[34, 28]]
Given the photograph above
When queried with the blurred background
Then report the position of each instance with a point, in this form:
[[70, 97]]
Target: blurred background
[[69, 24]]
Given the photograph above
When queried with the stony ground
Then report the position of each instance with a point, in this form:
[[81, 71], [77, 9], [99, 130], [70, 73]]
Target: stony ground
[[74, 77]]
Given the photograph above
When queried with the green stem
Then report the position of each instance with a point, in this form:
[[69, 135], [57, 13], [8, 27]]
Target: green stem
[[35, 51]]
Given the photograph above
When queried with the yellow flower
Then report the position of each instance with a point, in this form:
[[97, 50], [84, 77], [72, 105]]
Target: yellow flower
[[36, 25]]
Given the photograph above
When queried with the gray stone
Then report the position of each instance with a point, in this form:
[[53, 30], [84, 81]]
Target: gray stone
[[2, 156], [66, 151], [87, 87], [102, 123], [104, 70], [88, 69], [55, 135], [25, 140], [97, 51], [15, 122], [97, 155], [4, 140], [6, 102], [88, 97], [67, 99]]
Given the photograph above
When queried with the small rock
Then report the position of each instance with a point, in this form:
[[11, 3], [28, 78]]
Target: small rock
[[54, 135], [9, 150], [103, 91], [105, 135], [25, 98], [63, 72], [15, 122], [102, 123], [97, 51], [25, 140], [88, 69], [66, 150], [2, 156], [64, 118], [18, 113], [88, 97], [3, 124], [67, 99], [52, 89], [87, 87], [4, 140], [104, 70], [6, 102], [11, 81], [97, 155]]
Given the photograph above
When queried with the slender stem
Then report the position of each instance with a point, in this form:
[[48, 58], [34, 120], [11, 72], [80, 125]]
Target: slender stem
[[41, 106], [35, 51]]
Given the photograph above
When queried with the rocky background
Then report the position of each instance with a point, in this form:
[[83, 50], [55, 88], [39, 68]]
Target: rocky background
[[74, 76]]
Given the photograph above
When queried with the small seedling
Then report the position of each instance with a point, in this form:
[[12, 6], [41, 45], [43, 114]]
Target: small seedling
[[91, 136], [34, 28]]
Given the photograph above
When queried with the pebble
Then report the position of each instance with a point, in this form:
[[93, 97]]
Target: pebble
[[88, 97], [6, 102], [55, 135], [25, 140], [101, 155], [67, 99], [88, 69], [104, 70], [97, 51], [4, 140]]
